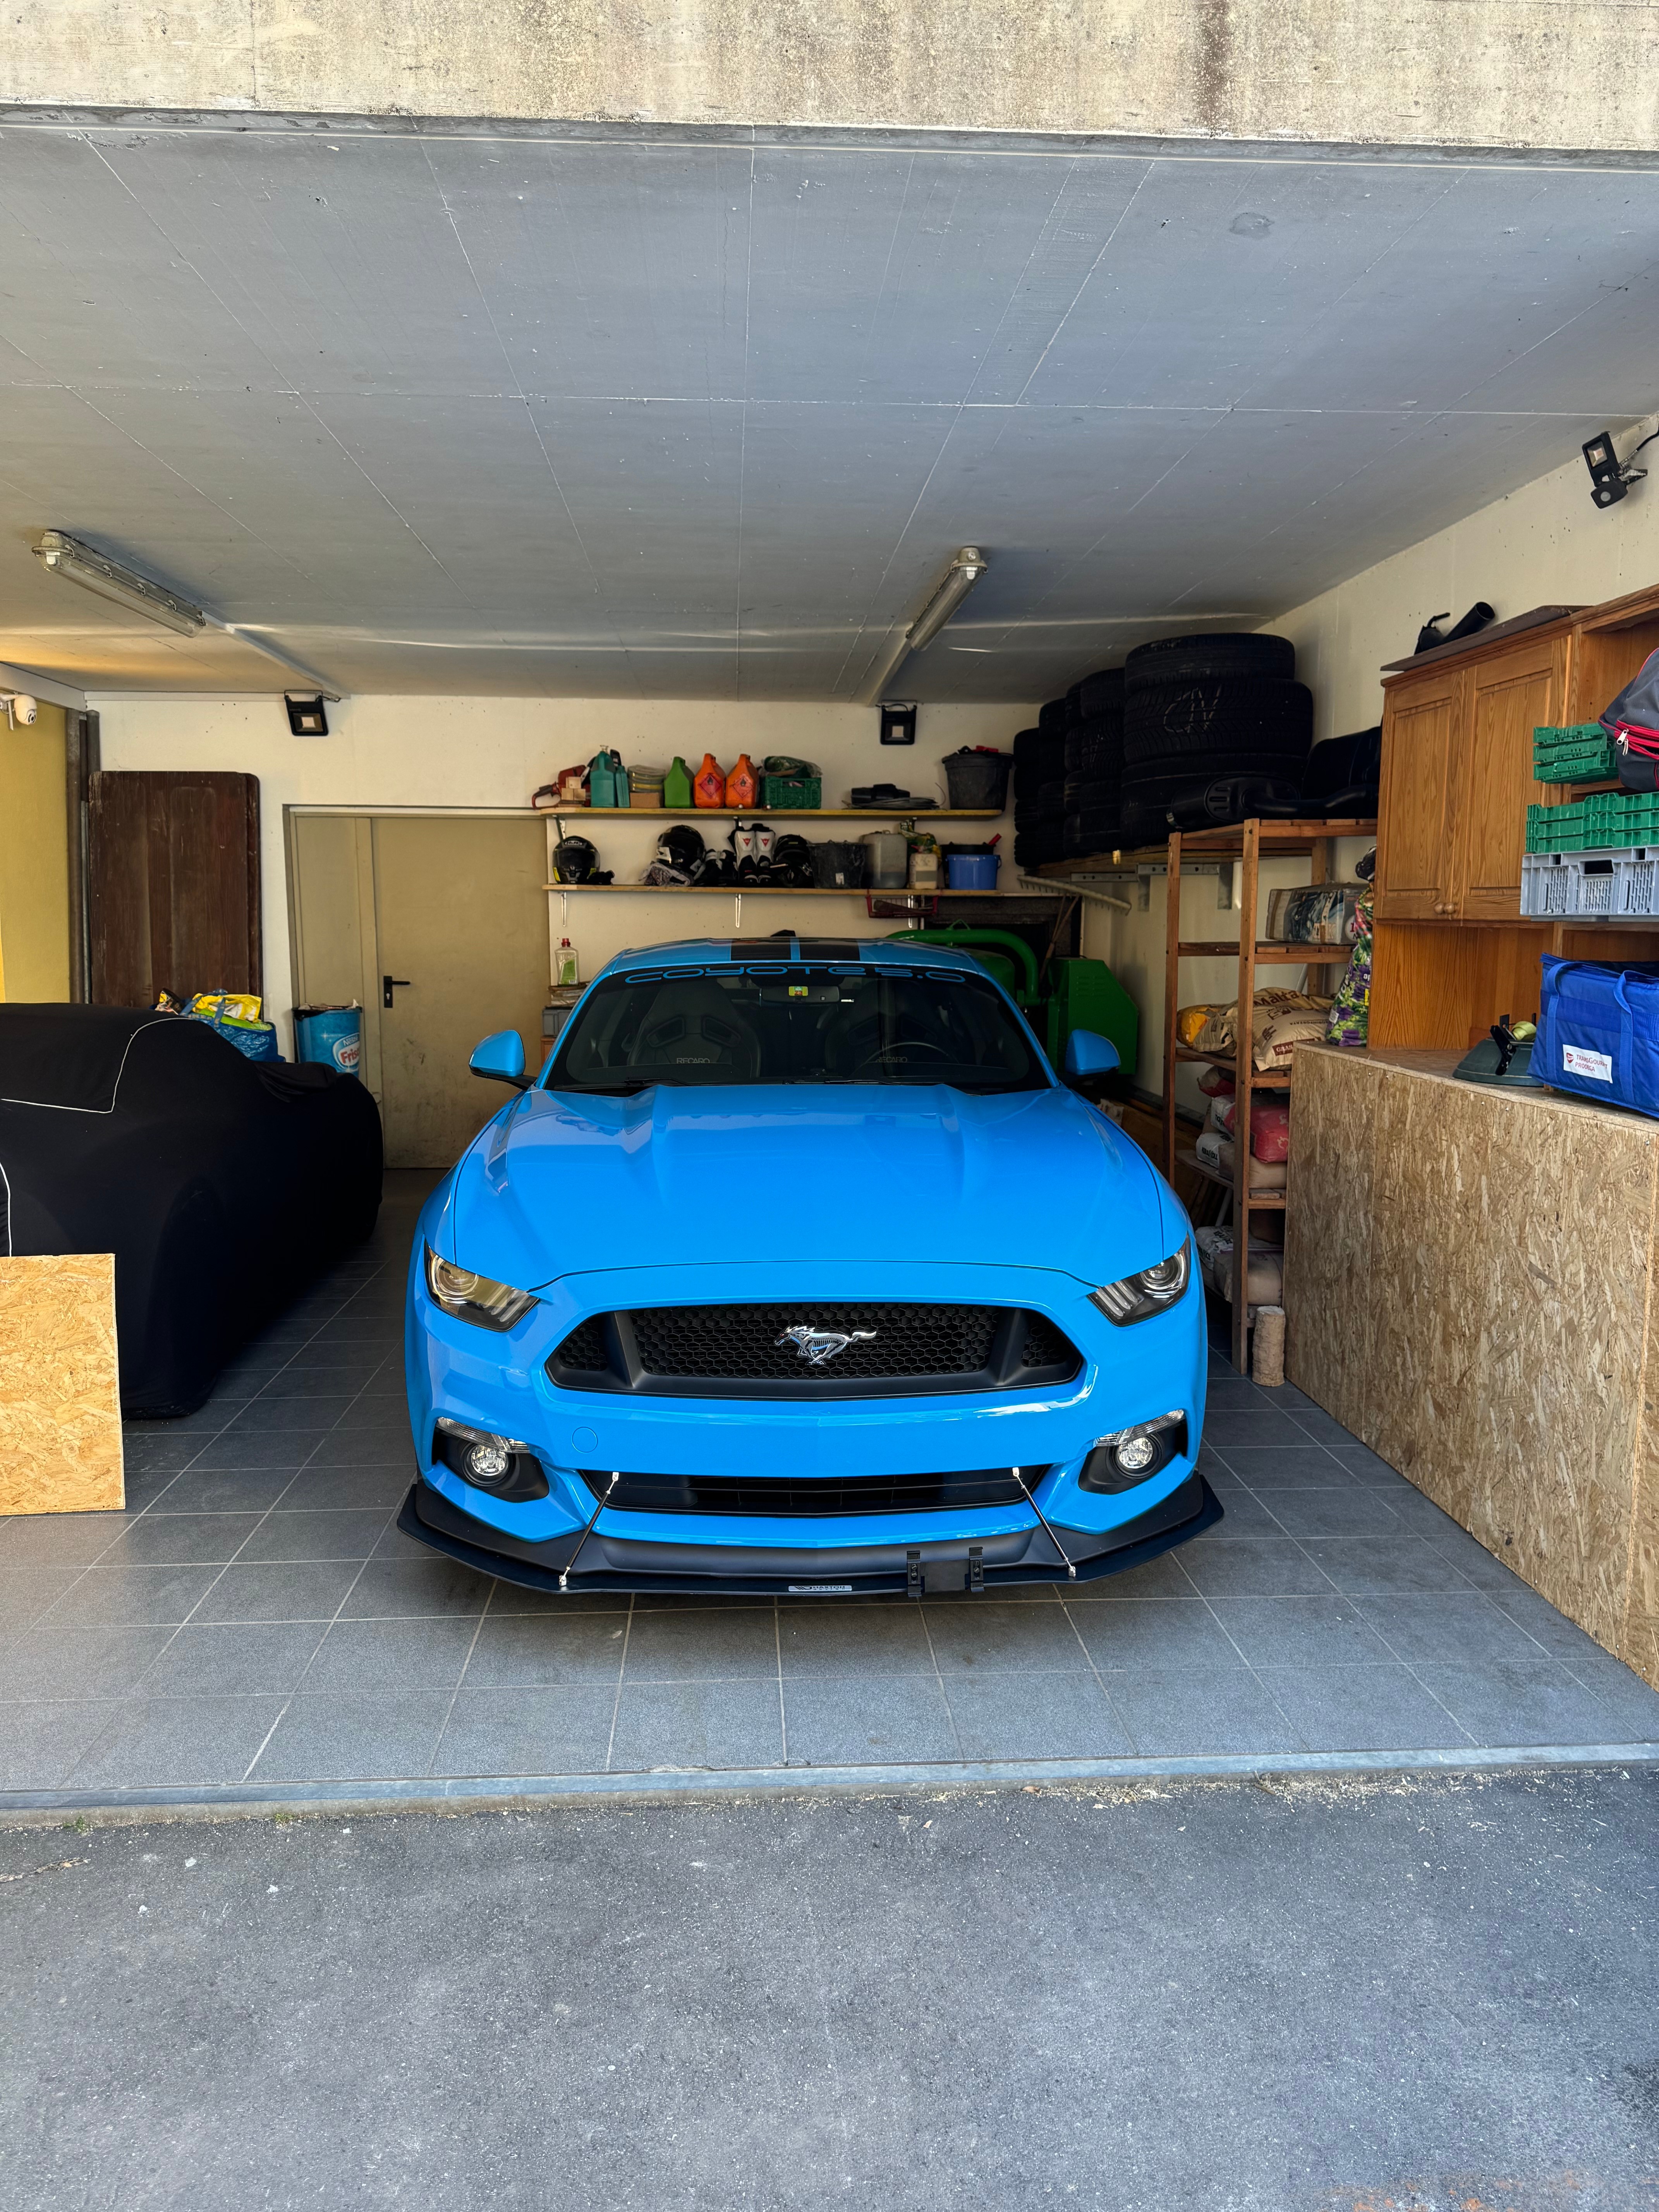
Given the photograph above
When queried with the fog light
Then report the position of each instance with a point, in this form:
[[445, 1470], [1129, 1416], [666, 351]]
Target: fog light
[[501, 1465], [1127, 1456], [490, 1463], [1134, 1454]]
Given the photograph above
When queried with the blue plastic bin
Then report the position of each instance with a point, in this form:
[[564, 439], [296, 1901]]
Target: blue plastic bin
[[332, 1035], [973, 871], [1598, 1031]]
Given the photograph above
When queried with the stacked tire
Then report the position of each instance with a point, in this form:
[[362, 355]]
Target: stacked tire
[[1094, 765], [1215, 729], [1040, 788]]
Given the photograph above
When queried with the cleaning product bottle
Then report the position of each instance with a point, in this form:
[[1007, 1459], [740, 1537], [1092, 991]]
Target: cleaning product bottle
[[677, 787], [567, 968], [602, 780], [710, 788], [743, 785]]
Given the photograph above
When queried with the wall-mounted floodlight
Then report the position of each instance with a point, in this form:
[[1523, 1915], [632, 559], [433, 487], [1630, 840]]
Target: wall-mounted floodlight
[[966, 568], [80, 564], [1610, 477]]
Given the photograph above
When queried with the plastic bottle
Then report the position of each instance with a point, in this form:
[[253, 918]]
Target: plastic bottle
[[677, 787], [710, 788], [602, 780], [567, 968], [743, 785]]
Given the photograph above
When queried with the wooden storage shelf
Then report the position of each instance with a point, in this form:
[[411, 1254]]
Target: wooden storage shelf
[[774, 814], [1272, 1201], [777, 891], [1284, 840], [1246, 842]]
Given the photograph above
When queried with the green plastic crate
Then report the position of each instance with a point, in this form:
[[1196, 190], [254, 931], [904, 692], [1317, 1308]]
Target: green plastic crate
[[1579, 754], [778, 793]]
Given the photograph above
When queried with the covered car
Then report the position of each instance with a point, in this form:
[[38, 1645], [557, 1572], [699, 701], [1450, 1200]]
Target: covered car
[[222, 1185]]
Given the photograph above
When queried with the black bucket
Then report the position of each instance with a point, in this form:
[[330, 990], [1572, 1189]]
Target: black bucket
[[838, 867], [978, 780]]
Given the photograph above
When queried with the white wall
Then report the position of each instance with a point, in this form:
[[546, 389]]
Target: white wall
[[495, 752], [1545, 544]]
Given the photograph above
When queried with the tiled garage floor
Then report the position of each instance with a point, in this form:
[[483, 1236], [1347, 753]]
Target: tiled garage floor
[[256, 1617]]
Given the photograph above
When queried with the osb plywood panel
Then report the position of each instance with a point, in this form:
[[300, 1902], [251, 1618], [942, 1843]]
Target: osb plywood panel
[[59, 1403], [1472, 1273]]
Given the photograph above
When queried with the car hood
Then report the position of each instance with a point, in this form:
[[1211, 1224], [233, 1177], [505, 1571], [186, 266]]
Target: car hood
[[558, 1185]]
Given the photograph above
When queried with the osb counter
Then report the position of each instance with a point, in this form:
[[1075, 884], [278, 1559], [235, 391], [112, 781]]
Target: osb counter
[[1471, 1275]]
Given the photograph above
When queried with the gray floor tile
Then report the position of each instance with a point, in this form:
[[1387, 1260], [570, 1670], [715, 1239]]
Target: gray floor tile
[[315, 1359], [1159, 1633], [1632, 1707], [1324, 1428], [158, 1454], [180, 1539], [1304, 1467], [1466, 1552], [205, 1421], [536, 1650], [271, 1417], [1187, 1714], [1383, 1565], [365, 1448], [59, 1540], [1242, 1514], [1509, 1702], [1271, 1566], [348, 1737], [1164, 1577], [1224, 1429], [391, 1543], [990, 1638], [235, 1658], [123, 1597], [1382, 1708], [376, 1656], [669, 1726], [1557, 1636], [389, 1588], [40, 1742], [141, 1490], [284, 1454], [280, 1591], [868, 1721], [1300, 1631], [378, 1417], [333, 1489], [341, 1535], [303, 1382], [555, 1731], [1353, 1511], [1365, 1466], [853, 1640], [27, 1592], [1452, 1626], [227, 1489], [1035, 1717], [508, 1598], [727, 1645], [160, 1743], [1235, 1395], [79, 1662]]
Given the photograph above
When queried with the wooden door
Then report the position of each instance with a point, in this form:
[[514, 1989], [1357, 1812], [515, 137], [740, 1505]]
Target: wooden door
[[173, 883], [1414, 810], [1504, 699], [461, 925]]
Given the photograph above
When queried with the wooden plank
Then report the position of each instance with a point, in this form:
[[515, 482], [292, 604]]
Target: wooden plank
[[1473, 1272], [59, 1388], [1294, 956], [1171, 997], [1244, 1046]]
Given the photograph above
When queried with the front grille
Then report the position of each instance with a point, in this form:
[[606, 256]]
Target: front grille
[[818, 1497], [746, 1350]]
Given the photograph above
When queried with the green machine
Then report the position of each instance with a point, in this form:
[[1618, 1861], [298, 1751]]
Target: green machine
[[1069, 995]]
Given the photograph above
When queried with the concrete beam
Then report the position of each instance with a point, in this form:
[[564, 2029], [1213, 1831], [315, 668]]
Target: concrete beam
[[1572, 75]]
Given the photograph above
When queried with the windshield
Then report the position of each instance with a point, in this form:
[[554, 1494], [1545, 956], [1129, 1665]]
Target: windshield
[[800, 1023]]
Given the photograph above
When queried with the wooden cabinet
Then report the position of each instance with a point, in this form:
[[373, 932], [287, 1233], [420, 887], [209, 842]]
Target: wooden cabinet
[[1457, 778]]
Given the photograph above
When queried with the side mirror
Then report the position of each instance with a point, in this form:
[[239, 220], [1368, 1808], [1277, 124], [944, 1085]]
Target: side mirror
[[501, 1058], [1086, 1054]]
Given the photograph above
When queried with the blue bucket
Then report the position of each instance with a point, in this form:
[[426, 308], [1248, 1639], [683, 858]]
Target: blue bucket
[[973, 871], [332, 1035]]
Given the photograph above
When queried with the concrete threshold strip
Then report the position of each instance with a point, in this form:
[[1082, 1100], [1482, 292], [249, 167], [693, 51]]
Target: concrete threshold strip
[[677, 1785]]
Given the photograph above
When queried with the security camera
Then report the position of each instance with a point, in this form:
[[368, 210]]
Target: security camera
[[20, 707]]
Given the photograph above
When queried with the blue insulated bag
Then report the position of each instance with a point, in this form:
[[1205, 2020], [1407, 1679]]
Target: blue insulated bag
[[1598, 1032]]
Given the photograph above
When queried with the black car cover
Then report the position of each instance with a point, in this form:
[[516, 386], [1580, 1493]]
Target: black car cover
[[221, 1184]]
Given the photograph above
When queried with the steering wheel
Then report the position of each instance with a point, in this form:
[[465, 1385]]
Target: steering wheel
[[915, 1044]]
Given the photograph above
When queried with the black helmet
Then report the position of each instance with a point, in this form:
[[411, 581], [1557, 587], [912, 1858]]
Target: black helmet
[[681, 846], [575, 861]]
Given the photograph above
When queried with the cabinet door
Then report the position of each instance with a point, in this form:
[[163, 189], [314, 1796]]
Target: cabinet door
[[1492, 787], [1413, 851]]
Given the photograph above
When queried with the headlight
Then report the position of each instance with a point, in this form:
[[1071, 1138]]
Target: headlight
[[474, 1297], [1136, 1297]]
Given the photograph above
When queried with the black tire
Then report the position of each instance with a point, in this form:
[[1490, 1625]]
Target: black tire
[[1095, 747], [1203, 801], [1051, 717], [1075, 706], [1092, 795], [1190, 724], [1051, 798], [1343, 765], [1221, 652], [1101, 693], [1092, 833]]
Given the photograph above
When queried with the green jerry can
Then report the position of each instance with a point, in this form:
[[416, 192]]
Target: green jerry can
[[1084, 994], [677, 789], [607, 781]]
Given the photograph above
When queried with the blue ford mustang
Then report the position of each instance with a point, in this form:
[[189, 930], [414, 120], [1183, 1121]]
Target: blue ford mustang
[[797, 1270]]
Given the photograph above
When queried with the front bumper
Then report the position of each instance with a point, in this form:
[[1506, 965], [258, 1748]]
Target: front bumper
[[612, 1563]]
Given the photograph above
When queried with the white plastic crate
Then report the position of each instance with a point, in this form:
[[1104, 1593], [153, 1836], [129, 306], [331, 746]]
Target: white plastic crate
[[1604, 886]]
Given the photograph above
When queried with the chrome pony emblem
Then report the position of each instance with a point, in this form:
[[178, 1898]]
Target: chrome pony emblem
[[817, 1346]]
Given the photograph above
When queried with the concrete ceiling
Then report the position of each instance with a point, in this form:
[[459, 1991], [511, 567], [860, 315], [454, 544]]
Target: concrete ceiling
[[691, 416]]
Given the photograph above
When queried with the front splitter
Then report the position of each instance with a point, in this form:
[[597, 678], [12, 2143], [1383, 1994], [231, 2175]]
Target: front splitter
[[716, 1570]]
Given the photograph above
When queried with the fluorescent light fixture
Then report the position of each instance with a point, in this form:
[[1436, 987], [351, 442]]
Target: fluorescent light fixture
[[967, 566], [84, 564]]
